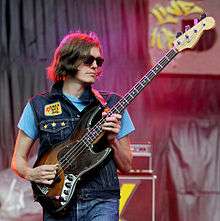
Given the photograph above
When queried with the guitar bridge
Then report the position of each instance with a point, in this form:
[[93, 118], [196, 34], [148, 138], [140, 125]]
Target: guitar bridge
[[42, 188]]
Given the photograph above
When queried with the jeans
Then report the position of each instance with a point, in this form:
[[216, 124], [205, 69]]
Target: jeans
[[90, 210]]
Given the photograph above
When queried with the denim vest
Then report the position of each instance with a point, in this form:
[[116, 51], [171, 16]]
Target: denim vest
[[101, 182]]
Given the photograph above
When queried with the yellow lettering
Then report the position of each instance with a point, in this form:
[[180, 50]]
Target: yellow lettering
[[174, 9], [159, 42], [162, 37], [169, 37], [189, 7], [162, 16], [153, 37]]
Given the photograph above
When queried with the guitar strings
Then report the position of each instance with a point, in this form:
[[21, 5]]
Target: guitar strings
[[67, 159], [82, 146]]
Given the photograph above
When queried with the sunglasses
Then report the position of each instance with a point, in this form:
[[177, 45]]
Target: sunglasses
[[89, 59]]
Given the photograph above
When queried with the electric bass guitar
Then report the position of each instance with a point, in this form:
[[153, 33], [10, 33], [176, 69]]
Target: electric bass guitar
[[80, 154]]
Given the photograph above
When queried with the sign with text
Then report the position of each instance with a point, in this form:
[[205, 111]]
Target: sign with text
[[168, 17]]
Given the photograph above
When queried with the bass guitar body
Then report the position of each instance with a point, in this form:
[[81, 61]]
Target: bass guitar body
[[75, 157]]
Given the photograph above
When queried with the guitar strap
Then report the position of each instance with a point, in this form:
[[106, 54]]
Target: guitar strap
[[101, 99]]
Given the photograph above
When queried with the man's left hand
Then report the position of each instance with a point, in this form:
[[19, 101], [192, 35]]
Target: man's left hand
[[112, 125]]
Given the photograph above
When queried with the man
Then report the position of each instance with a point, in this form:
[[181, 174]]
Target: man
[[52, 117]]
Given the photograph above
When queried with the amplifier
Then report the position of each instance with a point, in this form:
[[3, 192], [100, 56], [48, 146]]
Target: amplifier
[[138, 198], [138, 186], [142, 159]]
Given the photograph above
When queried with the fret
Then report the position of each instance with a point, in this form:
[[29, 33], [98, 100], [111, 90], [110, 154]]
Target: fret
[[163, 62], [143, 81], [89, 138], [98, 129], [167, 58], [141, 84], [160, 65], [115, 110], [120, 104], [156, 68], [92, 134], [153, 72], [151, 75], [97, 132], [85, 142], [139, 87], [133, 92], [171, 54], [118, 110], [135, 89], [124, 101], [129, 97], [147, 78]]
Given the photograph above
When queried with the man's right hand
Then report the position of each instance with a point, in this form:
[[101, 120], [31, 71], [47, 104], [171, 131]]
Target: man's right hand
[[42, 174]]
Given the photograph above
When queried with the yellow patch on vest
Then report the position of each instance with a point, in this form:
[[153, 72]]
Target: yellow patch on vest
[[52, 109]]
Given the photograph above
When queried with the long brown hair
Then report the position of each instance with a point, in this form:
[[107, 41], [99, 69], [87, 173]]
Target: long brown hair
[[66, 58]]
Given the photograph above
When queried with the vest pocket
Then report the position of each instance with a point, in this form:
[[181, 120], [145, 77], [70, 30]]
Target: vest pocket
[[55, 131]]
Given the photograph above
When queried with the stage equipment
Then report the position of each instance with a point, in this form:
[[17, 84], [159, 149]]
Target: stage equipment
[[138, 191]]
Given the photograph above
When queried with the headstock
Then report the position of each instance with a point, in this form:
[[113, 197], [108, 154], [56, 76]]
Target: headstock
[[192, 36]]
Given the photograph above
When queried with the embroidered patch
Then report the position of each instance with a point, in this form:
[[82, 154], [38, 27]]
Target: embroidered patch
[[53, 109]]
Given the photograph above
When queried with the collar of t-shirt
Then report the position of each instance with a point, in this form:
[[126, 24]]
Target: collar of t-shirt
[[78, 103]]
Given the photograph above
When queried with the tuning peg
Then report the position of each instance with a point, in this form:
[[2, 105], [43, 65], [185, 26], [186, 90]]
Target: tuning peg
[[178, 34], [196, 21], [202, 16], [187, 27]]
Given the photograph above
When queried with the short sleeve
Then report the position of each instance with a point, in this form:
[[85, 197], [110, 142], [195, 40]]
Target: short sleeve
[[127, 125], [27, 122]]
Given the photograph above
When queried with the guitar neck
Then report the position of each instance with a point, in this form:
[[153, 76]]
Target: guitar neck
[[95, 131], [145, 80]]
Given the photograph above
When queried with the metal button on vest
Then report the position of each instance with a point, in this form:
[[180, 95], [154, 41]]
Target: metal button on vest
[[53, 124], [63, 124], [45, 126]]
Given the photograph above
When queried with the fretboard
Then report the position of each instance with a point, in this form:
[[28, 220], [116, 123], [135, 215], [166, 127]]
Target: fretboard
[[96, 130]]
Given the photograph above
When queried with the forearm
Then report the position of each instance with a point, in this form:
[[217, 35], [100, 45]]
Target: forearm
[[21, 167], [122, 154], [19, 162], [121, 147]]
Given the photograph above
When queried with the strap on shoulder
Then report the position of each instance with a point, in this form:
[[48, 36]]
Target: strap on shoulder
[[101, 99]]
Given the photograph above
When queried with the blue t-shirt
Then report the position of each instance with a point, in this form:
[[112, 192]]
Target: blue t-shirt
[[28, 124]]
